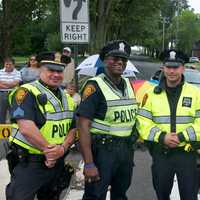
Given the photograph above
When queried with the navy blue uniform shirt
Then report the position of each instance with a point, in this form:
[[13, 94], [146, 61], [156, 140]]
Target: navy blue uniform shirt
[[94, 106]]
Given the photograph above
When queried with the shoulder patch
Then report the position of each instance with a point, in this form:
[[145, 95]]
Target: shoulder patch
[[20, 95], [89, 89], [144, 100]]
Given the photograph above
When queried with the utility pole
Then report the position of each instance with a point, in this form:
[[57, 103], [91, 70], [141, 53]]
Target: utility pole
[[163, 41], [177, 22]]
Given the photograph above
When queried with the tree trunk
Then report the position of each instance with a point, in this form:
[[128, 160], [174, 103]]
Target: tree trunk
[[103, 8], [6, 29]]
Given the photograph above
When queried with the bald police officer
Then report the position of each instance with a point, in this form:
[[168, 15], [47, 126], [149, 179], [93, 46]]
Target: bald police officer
[[43, 130], [106, 119]]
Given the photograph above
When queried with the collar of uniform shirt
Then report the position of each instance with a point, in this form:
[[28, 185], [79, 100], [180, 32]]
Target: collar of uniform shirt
[[55, 91], [121, 86], [163, 83]]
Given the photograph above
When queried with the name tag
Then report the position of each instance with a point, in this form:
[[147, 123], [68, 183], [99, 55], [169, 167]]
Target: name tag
[[187, 102]]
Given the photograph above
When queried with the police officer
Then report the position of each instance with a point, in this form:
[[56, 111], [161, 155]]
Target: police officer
[[106, 119], [169, 118], [42, 133]]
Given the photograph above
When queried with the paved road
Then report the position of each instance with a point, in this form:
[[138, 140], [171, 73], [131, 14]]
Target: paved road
[[146, 69], [141, 187]]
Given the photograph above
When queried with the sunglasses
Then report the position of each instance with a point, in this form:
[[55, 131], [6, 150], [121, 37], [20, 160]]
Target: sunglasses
[[32, 59]]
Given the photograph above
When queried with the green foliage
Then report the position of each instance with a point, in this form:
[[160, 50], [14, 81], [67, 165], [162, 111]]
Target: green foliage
[[21, 59], [33, 26], [53, 42], [188, 30]]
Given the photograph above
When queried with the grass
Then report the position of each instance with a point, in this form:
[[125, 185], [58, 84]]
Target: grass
[[20, 59]]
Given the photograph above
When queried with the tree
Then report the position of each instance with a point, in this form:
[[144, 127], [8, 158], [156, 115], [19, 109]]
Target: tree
[[189, 30], [33, 25], [13, 14]]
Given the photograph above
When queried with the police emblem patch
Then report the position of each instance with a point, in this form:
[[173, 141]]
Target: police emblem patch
[[20, 95], [144, 100], [89, 89], [187, 102]]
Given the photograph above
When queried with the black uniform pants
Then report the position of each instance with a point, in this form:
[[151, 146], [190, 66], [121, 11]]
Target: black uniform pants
[[164, 168], [115, 164], [29, 177]]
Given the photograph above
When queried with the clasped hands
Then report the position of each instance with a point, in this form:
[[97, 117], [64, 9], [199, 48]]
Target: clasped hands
[[52, 152], [171, 140]]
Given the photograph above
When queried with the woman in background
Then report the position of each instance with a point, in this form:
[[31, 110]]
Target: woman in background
[[32, 71]]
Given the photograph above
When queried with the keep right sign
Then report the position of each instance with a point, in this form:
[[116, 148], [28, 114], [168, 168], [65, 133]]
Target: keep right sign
[[74, 20]]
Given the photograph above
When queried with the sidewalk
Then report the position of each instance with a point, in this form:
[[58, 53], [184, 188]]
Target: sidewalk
[[74, 194], [76, 191], [4, 177]]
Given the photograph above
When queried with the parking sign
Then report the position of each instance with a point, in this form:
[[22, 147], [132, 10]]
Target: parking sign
[[74, 20]]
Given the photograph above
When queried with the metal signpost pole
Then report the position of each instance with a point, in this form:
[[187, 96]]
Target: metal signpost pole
[[74, 24]]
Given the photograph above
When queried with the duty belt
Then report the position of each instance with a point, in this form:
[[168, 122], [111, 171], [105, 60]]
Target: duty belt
[[170, 151], [105, 139], [35, 158], [24, 156]]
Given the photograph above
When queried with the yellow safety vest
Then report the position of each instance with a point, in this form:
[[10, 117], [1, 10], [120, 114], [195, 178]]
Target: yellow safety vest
[[121, 110], [154, 116], [58, 115]]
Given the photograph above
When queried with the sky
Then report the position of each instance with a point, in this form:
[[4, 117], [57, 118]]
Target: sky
[[195, 4]]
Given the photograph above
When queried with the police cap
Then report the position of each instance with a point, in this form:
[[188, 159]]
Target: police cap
[[173, 58], [53, 60], [117, 48]]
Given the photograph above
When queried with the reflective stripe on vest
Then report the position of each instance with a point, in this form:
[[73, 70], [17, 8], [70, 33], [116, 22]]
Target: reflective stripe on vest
[[60, 115], [17, 135], [179, 119], [121, 102], [165, 119], [121, 109], [58, 120], [156, 113], [153, 132], [191, 133], [145, 113], [110, 128], [50, 97]]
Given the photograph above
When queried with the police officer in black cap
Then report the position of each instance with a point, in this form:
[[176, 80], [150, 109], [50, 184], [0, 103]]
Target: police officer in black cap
[[169, 120], [106, 118], [43, 130]]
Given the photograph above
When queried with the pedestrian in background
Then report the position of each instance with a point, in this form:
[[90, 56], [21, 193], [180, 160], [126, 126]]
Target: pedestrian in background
[[71, 90], [169, 118], [106, 119], [32, 71], [9, 79], [43, 130], [69, 72]]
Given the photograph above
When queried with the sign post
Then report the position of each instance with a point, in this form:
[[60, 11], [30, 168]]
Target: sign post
[[74, 20], [74, 25]]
